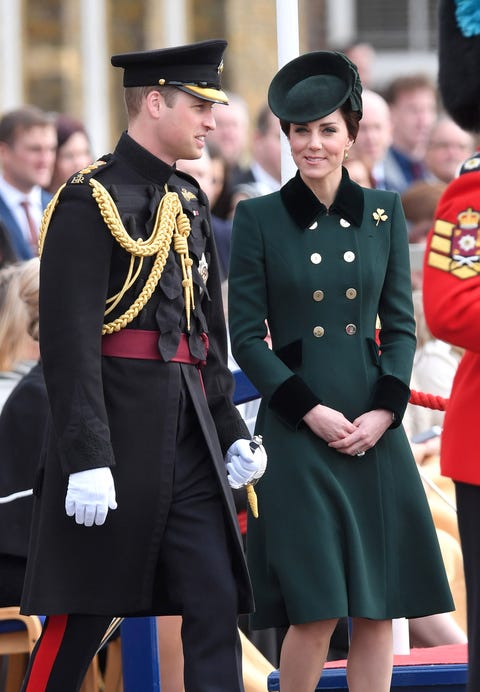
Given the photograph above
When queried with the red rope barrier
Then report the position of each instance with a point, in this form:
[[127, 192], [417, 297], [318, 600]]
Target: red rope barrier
[[437, 403]]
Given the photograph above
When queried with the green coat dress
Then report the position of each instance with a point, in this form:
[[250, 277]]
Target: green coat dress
[[336, 535]]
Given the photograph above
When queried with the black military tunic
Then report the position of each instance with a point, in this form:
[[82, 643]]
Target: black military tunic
[[123, 412]]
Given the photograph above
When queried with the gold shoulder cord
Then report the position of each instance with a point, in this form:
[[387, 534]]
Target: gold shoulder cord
[[47, 215], [170, 222]]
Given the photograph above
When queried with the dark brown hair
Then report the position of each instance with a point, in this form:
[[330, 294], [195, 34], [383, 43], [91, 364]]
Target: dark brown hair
[[21, 119], [66, 127], [352, 121]]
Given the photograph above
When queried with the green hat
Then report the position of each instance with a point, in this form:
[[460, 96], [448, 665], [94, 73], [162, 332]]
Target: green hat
[[314, 85], [195, 68]]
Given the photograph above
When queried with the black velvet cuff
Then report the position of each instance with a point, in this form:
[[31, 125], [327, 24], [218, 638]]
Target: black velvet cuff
[[392, 394], [292, 400]]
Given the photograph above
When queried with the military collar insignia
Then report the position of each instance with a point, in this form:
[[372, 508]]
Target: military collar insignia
[[304, 207], [187, 194]]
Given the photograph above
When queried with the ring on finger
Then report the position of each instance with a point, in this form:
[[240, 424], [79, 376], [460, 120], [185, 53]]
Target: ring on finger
[[360, 454]]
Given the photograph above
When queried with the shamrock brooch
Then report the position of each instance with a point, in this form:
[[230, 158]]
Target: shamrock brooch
[[379, 215]]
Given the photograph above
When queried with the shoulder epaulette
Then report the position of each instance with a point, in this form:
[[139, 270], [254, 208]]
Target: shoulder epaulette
[[83, 176], [90, 171]]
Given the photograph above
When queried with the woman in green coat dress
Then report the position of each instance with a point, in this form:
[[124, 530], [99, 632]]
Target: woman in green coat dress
[[344, 526]]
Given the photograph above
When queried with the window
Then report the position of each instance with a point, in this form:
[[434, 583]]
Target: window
[[390, 25]]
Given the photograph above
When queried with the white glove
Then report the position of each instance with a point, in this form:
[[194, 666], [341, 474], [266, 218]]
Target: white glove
[[246, 462], [90, 494]]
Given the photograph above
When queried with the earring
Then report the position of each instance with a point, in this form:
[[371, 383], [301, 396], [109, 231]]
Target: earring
[[346, 155]]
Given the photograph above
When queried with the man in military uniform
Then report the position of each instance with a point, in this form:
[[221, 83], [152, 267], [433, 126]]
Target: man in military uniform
[[133, 512], [451, 292]]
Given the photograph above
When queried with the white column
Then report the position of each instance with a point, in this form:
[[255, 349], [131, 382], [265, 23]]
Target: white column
[[174, 23], [165, 23], [11, 63], [287, 31], [341, 22], [287, 49], [95, 66]]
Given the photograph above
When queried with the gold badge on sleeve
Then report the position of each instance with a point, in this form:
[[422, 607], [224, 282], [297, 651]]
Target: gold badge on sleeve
[[455, 247]]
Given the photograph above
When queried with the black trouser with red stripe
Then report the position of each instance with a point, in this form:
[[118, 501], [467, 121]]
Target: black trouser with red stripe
[[64, 651]]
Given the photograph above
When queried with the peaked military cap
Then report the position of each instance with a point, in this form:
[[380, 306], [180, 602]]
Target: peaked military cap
[[314, 85], [195, 68]]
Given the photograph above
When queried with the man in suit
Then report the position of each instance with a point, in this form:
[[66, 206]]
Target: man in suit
[[412, 100], [28, 143], [265, 165], [448, 146], [231, 132]]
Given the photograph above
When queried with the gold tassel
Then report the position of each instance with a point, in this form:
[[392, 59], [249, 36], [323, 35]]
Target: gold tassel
[[252, 499], [180, 246]]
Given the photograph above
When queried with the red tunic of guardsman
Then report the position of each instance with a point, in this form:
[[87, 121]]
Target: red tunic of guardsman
[[451, 293]]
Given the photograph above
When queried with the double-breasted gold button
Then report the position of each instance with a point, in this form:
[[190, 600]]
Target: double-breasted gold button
[[349, 256], [351, 293], [351, 329], [318, 331], [315, 258], [318, 295]]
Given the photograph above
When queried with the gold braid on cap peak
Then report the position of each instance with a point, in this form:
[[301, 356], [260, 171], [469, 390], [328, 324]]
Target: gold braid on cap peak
[[170, 222]]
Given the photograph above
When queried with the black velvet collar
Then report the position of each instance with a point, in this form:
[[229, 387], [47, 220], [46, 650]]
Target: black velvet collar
[[142, 161], [304, 207]]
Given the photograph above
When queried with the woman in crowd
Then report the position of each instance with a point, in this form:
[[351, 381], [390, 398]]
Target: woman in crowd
[[18, 306], [73, 150], [22, 419]]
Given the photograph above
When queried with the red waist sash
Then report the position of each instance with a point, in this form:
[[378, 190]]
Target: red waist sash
[[143, 344]]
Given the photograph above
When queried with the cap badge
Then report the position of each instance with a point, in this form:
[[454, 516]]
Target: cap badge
[[379, 215]]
